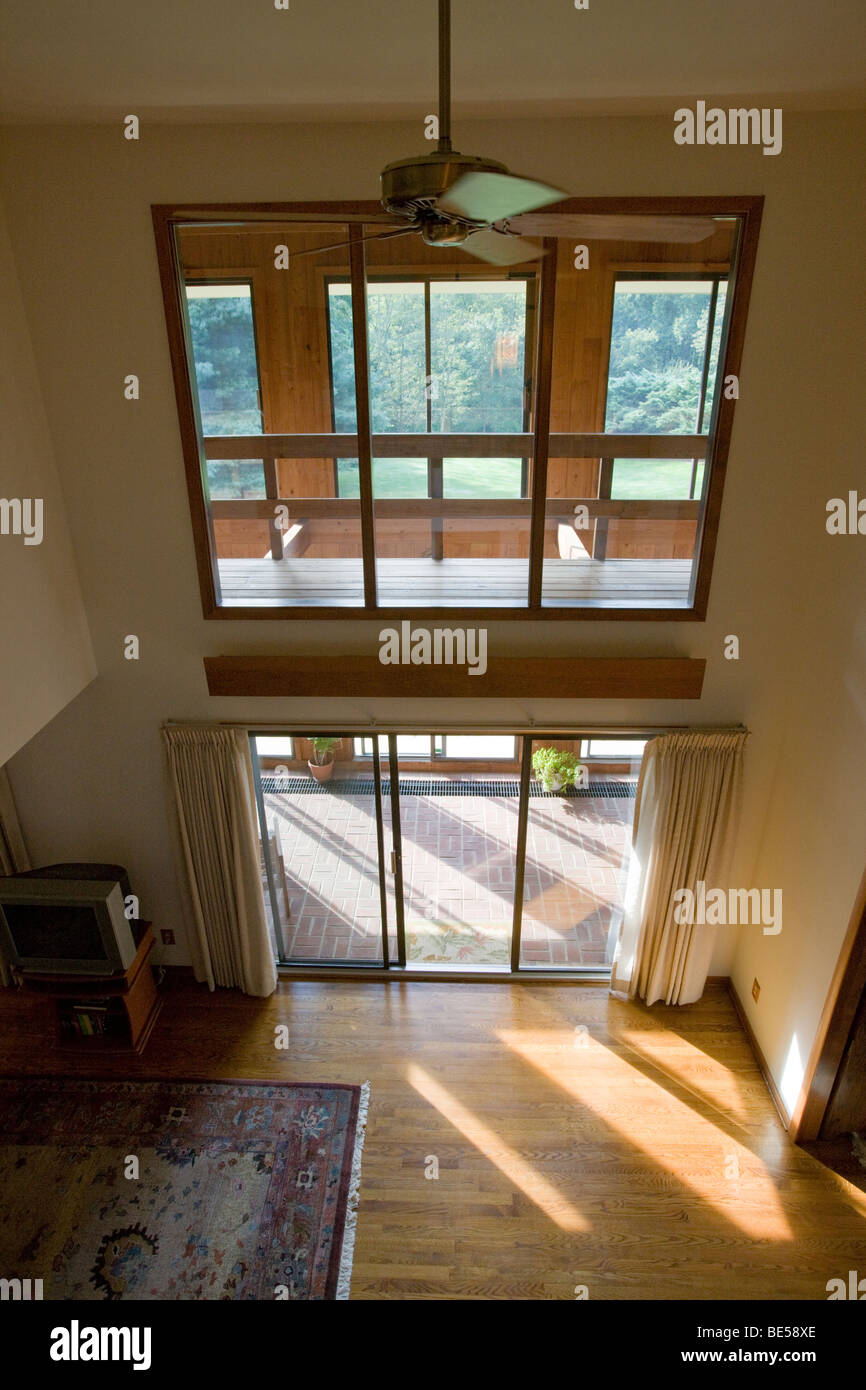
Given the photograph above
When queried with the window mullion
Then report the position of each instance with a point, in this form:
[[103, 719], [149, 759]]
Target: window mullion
[[541, 433], [362, 407], [708, 348], [435, 467], [705, 374]]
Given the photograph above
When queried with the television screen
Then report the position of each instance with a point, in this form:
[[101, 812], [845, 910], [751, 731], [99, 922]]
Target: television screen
[[53, 923], [64, 931]]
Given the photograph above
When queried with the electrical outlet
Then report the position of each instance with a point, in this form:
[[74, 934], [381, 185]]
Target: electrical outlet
[[756, 989], [168, 938]]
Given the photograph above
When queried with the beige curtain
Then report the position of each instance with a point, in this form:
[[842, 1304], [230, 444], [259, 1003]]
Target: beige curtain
[[13, 852], [212, 779], [688, 799]]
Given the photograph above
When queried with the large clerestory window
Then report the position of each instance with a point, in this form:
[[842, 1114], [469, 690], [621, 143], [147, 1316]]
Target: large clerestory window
[[382, 425]]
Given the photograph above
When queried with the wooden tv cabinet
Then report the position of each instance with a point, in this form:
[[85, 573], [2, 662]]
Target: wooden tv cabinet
[[129, 1002]]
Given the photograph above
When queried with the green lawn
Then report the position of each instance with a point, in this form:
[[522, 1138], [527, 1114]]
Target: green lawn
[[500, 477], [461, 477], [637, 478]]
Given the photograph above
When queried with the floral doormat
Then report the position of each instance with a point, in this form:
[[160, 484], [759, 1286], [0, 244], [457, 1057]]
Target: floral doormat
[[180, 1189], [449, 943]]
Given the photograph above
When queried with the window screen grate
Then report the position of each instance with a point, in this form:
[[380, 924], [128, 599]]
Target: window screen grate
[[428, 786]]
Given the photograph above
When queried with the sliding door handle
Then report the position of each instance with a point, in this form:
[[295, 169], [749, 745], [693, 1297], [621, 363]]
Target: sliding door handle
[[393, 861]]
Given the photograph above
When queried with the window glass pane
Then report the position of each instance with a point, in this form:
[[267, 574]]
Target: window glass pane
[[413, 745], [614, 747], [395, 331], [459, 840], [480, 746], [657, 354], [224, 355], [342, 357], [391, 478], [228, 479], [638, 478], [321, 883], [578, 838], [482, 477], [657, 346], [280, 746], [477, 333], [395, 335], [478, 340]]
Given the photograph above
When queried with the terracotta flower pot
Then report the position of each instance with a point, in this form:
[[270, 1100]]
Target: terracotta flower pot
[[321, 771]]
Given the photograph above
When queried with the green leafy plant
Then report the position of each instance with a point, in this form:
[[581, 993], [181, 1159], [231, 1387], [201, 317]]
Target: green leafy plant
[[323, 749], [552, 765]]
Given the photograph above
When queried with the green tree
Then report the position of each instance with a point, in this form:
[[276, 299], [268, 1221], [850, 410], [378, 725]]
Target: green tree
[[656, 361], [224, 357]]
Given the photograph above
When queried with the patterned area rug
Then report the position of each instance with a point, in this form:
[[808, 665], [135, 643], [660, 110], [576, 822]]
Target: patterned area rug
[[180, 1189], [449, 943]]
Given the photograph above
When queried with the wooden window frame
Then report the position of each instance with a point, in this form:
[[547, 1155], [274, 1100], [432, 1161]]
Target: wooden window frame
[[357, 215]]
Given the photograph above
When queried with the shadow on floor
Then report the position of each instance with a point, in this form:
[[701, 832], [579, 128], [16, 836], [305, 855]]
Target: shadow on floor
[[845, 1155]]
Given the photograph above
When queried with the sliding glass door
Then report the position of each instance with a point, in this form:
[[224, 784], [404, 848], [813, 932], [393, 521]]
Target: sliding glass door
[[322, 850], [452, 853], [578, 839], [455, 828]]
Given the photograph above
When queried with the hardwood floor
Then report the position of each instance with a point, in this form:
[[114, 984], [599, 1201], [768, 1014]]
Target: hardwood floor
[[845, 1156], [580, 1141]]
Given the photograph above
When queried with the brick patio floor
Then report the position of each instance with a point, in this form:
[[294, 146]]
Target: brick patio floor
[[458, 875]]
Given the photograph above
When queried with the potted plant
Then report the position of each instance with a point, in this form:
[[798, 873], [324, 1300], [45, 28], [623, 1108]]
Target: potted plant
[[555, 768], [323, 752]]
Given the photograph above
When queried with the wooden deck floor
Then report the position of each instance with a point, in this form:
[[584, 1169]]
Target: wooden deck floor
[[641, 1157], [456, 583]]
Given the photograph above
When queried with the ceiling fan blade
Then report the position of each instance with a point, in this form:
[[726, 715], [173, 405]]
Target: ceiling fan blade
[[488, 197], [614, 227], [499, 249]]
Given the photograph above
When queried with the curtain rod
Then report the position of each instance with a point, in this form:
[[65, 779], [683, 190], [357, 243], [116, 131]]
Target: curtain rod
[[292, 726]]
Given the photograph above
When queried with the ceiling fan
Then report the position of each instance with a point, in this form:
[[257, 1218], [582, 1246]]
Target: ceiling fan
[[454, 199]]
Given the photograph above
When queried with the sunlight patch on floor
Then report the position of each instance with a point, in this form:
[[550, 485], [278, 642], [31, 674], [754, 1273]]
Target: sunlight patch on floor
[[589, 1071], [509, 1163], [663, 1049]]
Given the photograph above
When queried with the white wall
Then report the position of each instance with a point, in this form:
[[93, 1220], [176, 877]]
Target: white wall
[[45, 652], [91, 785]]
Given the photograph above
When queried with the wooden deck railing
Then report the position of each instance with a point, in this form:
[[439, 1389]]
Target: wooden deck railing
[[438, 446], [400, 508], [271, 447]]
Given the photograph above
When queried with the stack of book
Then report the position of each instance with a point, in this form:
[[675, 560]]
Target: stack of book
[[89, 1019]]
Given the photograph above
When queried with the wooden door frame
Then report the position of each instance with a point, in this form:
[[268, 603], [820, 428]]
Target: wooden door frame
[[837, 1019]]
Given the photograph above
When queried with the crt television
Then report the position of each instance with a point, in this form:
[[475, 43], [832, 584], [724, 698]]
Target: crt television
[[53, 923]]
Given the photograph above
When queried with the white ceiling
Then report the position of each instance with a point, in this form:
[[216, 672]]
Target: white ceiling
[[235, 60]]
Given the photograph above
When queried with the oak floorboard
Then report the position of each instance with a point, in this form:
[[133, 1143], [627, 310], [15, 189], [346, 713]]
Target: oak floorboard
[[565, 1157]]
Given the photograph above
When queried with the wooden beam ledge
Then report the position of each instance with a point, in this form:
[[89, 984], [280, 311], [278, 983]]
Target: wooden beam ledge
[[564, 678]]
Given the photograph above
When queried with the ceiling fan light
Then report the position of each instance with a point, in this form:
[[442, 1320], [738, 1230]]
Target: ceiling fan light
[[439, 232]]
